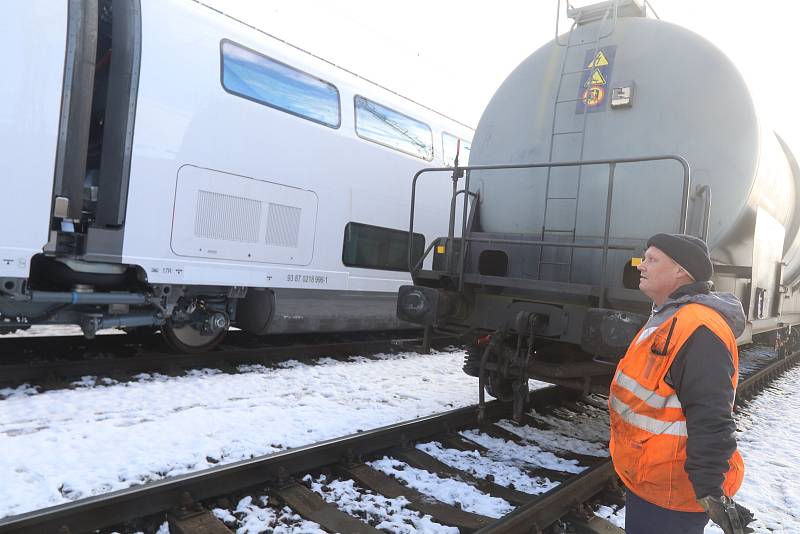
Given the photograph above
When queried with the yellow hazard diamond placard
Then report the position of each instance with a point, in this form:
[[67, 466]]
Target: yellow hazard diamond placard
[[600, 60], [596, 79]]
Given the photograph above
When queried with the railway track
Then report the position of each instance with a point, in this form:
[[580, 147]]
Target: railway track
[[33, 360], [286, 478]]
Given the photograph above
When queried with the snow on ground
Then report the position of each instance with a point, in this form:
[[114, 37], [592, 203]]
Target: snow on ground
[[769, 440], [555, 441], [69, 444], [19, 391], [63, 445], [589, 425], [57, 330], [391, 515], [446, 490], [480, 466], [522, 455], [256, 516], [614, 515]]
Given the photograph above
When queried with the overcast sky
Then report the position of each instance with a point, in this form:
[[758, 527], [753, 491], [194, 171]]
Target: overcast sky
[[452, 55]]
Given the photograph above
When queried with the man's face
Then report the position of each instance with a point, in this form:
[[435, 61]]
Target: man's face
[[659, 275]]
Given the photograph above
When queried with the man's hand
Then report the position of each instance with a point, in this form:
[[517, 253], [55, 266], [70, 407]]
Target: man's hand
[[732, 517]]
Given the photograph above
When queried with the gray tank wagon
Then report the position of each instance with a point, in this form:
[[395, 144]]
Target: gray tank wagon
[[654, 130]]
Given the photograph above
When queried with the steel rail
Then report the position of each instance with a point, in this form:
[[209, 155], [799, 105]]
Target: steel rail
[[753, 383], [556, 503], [140, 501], [149, 361], [157, 497], [16, 349]]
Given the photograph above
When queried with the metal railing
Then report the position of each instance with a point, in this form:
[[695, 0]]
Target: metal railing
[[457, 173], [705, 192], [612, 9]]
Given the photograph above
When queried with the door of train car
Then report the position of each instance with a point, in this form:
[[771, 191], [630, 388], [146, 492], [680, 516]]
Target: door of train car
[[34, 36]]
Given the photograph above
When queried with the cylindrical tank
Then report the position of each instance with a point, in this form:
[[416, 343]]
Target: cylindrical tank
[[688, 99]]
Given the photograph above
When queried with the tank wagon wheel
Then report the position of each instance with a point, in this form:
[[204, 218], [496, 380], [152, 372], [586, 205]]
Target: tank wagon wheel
[[497, 386], [189, 339], [500, 388]]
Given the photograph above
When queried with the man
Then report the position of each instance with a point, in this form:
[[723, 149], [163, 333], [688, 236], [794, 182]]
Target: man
[[671, 400]]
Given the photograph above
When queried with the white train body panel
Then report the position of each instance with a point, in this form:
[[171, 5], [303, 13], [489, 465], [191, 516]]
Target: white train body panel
[[30, 104], [164, 162], [192, 138]]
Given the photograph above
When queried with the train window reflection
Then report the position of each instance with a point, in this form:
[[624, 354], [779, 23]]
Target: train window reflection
[[374, 247], [256, 77], [449, 147], [385, 126]]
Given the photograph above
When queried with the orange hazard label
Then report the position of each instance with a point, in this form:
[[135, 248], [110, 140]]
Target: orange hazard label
[[594, 95]]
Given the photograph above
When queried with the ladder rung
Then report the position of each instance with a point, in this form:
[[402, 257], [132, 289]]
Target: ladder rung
[[569, 133], [562, 198], [562, 231], [575, 72], [576, 45], [570, 100], [553, 263]]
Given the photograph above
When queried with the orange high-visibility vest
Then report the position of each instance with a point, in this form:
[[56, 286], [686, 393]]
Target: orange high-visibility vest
[[648, 426]]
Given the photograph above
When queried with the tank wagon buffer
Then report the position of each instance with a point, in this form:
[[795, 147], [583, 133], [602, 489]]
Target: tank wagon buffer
[[652, 129]]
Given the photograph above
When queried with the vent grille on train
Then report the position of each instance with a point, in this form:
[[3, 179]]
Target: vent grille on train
[[227, 217], [283, 225]]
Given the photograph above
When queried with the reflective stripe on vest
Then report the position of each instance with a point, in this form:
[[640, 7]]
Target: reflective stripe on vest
[[651, 398], [649, 436], [654, 426]]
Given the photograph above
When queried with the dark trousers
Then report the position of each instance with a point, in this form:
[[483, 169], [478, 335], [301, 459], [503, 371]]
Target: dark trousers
[[642, 517]]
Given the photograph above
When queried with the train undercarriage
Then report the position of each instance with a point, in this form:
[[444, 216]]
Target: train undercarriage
[[98, 296]]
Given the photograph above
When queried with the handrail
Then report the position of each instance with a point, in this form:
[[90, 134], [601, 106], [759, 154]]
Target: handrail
[[558, 20], [706, 191], [609, 197], [451, 230], [467, 171], [422, 258], [649, 6], [700, 220], [613, 7]]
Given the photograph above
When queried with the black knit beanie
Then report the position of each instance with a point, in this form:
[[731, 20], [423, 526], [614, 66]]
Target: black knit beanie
[[688, 251]]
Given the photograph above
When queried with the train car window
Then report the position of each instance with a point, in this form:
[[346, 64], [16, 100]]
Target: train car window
[[449, 147], [387, 127], [374, 247], [256, 77]]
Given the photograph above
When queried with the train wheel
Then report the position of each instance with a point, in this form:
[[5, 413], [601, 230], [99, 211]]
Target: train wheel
[[500, 388], [189, 339], [472, 361]]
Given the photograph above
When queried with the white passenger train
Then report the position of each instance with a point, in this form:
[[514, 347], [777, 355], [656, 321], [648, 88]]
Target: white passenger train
[[166, 165]]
